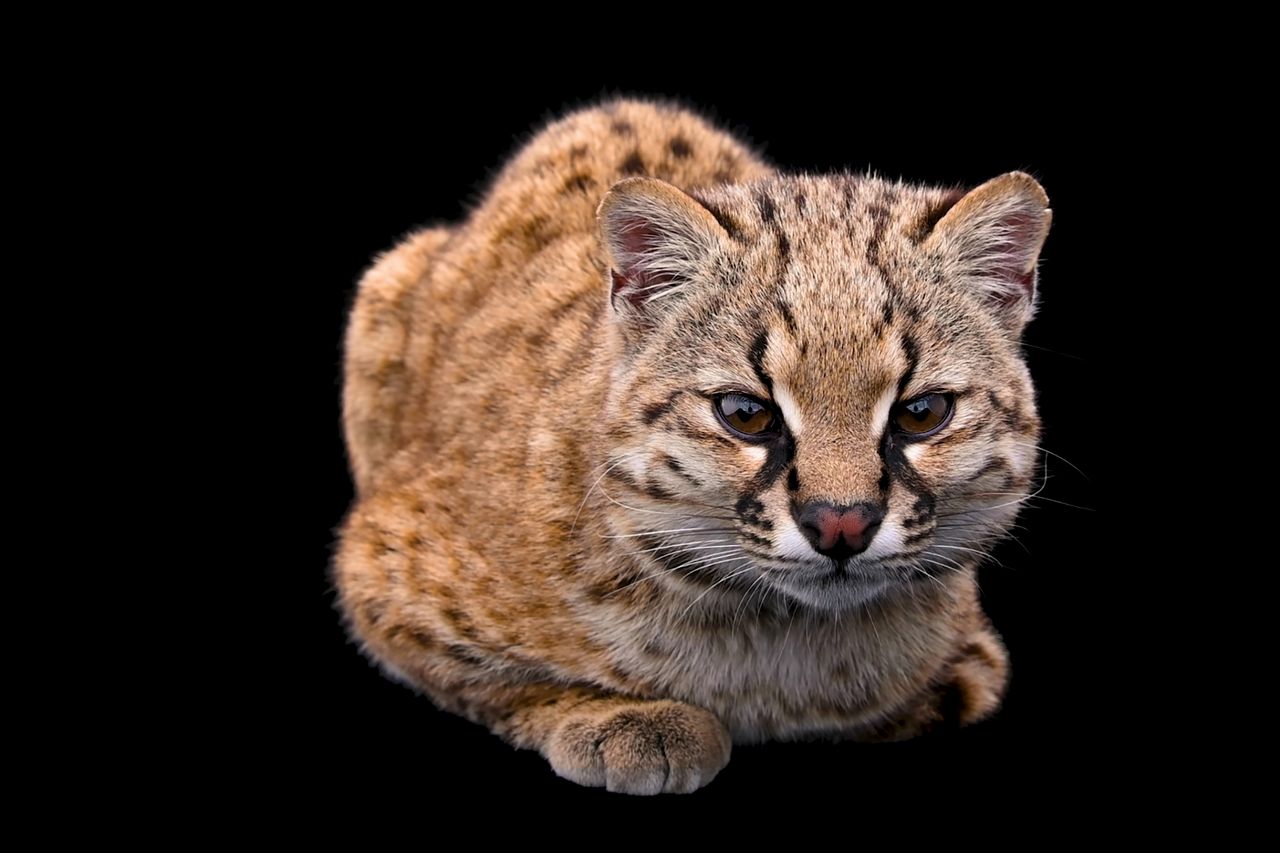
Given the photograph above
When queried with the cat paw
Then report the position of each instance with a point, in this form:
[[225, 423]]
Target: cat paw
[[645, 748]]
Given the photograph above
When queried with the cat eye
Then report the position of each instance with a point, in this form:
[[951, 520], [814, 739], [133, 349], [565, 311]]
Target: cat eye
[[922, 416], [747, 417]]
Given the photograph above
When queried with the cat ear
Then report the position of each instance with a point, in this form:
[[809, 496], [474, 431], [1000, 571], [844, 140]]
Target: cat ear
[[657, 238], [992, 239]]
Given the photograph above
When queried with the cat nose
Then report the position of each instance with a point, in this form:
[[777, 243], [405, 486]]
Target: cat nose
[[838, 531]]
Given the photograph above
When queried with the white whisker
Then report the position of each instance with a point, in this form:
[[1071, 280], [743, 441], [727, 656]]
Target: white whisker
[[735, 574]]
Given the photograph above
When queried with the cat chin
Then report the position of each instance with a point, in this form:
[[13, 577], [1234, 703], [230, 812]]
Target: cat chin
[[847, 593]]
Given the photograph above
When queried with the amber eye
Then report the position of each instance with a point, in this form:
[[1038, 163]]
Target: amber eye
[[746, 416], [923, 415]]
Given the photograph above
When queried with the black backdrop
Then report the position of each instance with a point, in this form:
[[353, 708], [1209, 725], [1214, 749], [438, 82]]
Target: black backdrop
[[380, 164]]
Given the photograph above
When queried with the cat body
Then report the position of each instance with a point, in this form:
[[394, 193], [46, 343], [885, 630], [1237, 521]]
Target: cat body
[[568, 526]]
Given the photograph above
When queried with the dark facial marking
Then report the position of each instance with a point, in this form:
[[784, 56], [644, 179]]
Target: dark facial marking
[[658, 493], [618, 475], [769, 215], [654, 411], [990, 467], [918, 536], [578, 183], [963, 434], [678, 469], [751, 511], [701, 435], [900, 469], [756, 356], [679, 148], [785, 310], [793, 480], [1013, 421], [780, 453], [622, 128], [913, 355]]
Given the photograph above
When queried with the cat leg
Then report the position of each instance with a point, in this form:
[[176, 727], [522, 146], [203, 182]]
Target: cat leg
[[625, 745], [967, 689], [416, 609], [589, 735], [376, 374]]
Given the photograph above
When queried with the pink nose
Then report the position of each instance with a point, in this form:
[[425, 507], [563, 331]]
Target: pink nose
[[836, 531]]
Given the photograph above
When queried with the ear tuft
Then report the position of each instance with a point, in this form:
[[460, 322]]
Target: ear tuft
[[992, 238]]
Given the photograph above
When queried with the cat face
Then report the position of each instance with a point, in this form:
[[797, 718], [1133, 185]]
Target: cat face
[[819, 392]]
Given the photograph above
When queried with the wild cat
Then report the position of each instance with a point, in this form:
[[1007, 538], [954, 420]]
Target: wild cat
[[662, 450]]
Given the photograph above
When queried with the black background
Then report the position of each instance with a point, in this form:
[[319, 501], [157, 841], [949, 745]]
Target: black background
[[381, 163]]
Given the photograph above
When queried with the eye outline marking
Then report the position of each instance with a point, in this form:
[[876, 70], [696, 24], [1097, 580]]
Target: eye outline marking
[[899, 432], [777, 425]]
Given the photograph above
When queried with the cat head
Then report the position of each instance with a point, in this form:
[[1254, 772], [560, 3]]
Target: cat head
[[819, 388]]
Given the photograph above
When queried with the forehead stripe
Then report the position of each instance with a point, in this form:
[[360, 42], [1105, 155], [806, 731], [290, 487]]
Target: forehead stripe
[[912, 353], [756, 357]]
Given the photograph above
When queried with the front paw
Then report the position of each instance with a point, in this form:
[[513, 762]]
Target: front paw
[[641, 748]]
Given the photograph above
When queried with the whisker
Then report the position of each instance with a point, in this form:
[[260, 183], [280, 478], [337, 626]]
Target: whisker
[[927, 574], [626, 457], [661, 532], [746, 598], [679, 546], [728, 577], [952, 562], [983, 554], [697, 564], [1043, 449]]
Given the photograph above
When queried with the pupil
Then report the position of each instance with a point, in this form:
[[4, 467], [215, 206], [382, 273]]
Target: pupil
[[746, 414]]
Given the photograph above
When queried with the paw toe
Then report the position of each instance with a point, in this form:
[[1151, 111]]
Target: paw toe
[[653, 748]]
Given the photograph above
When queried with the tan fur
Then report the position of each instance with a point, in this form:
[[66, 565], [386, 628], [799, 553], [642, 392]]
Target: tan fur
[[555, 537]]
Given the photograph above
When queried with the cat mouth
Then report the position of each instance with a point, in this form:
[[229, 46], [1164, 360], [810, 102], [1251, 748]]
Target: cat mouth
[[848, 572]]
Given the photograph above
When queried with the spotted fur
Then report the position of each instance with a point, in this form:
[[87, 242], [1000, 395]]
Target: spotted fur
[[555, 537]]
